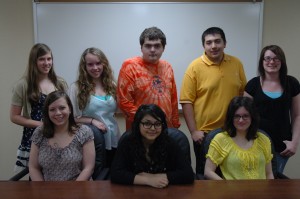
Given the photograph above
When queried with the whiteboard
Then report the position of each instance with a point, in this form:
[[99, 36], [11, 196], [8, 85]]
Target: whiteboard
[[70, 28]]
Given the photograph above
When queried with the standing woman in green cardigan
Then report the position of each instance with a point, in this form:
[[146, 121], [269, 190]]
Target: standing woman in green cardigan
[[29, 95]]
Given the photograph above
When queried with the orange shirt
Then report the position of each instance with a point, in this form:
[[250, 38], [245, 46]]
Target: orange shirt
[[144, 83]]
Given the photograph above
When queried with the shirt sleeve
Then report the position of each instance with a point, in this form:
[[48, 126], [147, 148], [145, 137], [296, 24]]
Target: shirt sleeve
[[37, 136], [188, 88], [295, 87], [243, 80], [265, 144], [125, 93], [251, 86], [218, 149], [17, 94], [73, 92], [121, 171], [84, 134], [174, 98]]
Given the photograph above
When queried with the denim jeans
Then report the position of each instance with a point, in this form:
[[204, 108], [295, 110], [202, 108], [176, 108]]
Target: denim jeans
[[281, 162]]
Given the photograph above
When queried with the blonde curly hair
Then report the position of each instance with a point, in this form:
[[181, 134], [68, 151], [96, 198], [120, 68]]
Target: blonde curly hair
[[85, 82]]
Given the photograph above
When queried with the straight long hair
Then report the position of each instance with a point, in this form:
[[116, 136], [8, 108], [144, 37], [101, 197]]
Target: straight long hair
[[32, 73]]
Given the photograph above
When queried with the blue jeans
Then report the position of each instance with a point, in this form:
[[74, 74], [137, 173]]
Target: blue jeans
[[281, 162]]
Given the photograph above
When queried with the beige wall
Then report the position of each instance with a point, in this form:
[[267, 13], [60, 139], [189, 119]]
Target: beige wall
[[281, 26]]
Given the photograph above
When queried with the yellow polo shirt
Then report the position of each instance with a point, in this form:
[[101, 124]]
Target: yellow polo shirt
[[210, 87]]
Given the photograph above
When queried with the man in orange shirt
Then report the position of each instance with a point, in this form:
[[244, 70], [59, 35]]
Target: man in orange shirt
[[148, 80]]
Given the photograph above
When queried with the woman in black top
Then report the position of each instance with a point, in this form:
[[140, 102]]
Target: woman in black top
[[277, 97], [147, 155]]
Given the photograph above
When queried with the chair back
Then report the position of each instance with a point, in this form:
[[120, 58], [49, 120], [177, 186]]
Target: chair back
[[100, 160], [180, 138]]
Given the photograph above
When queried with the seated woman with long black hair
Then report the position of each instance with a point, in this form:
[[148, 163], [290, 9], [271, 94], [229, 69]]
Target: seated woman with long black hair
[[147, 156]]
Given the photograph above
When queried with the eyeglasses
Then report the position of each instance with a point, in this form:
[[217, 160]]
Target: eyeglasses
[[148, 125], [238, 117], [269, 59]]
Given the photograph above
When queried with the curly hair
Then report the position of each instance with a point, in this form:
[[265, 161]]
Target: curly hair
[[48, 128], [85, 82], [157, 150], [234, 105], [32, 73]]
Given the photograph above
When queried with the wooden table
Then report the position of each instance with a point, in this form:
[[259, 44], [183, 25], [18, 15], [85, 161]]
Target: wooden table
[[206, 189]]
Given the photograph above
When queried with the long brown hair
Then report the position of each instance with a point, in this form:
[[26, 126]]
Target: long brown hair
[[85, 82], [33, 91]]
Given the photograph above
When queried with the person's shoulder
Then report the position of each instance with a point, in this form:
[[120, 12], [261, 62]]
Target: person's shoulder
[[254, 79], [262, 135], [222, 135], [292, 78], [20, 84], [197, 60], [37, 135], [263, 138], [84, 133], [223, 138], [63, 82], [61, 79], [232, 58], [74, 85], [196, 64], [132, 60], [84, 129], [130, 64]]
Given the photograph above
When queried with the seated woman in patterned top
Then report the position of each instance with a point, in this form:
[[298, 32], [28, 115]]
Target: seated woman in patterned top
[[61, 150], [241, 151], [147, 156]]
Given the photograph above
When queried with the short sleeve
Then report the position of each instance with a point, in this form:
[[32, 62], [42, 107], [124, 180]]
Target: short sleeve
[[73, 92], [251, 86], [37, 136], [265, 144], [188, 89], [219, 148], [84, 134], [17, 93], [294, 85]]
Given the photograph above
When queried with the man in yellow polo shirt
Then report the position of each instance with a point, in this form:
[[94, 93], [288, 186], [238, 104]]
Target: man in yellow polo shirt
[[209, 83]]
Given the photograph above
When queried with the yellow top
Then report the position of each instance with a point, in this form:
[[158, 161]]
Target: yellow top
[[238, 163], [210, 87]]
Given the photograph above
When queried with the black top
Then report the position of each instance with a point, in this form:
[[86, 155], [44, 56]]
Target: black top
[[125, 167], [275, 113]]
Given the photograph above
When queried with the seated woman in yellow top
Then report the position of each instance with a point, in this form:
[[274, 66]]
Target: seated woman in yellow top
[[241, 151]]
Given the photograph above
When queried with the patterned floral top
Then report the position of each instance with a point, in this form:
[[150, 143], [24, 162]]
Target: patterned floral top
[[61, 164]]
